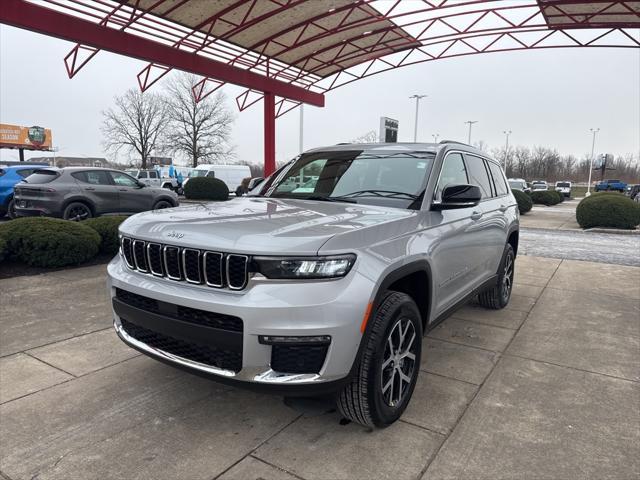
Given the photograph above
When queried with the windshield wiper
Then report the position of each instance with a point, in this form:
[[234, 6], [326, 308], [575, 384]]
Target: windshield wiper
[[379, 193], [325, 198]]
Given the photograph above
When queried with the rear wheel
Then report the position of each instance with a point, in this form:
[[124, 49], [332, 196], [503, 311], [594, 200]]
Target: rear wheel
[[380, 391], [77, 211], [498, 296]]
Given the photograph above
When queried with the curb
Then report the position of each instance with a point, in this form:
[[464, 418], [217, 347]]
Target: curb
[[614, 231]]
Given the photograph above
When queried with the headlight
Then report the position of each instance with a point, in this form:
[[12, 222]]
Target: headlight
[[304, 267]]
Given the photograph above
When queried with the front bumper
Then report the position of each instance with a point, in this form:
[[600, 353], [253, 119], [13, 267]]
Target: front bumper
[[333, 308]]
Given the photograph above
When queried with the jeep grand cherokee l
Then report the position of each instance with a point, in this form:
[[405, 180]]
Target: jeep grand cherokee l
[[303, 293]]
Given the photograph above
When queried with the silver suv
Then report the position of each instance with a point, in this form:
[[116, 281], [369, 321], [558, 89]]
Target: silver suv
[[329, 291]]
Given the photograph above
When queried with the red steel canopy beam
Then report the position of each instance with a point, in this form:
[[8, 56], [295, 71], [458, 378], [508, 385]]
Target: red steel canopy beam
[[22, 14]]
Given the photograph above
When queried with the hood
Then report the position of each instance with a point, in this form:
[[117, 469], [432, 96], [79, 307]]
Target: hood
[[258, 225]]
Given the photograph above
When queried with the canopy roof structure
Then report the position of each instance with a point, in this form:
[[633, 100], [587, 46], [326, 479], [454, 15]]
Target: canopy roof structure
[[294, 51]]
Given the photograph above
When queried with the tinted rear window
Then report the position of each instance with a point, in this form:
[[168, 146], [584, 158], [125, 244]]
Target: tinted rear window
[[478, 174], [42, 176], [563, 184], [498, 179]]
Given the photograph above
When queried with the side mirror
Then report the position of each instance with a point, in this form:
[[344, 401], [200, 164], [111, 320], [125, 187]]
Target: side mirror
[[458, 196], [141, 184]]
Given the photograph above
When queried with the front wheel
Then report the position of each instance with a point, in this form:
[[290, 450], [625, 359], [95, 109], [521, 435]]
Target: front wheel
[[498, 296], [380, 390], [161, 204]]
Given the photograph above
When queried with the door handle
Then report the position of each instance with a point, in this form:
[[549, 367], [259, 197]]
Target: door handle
[[476, 215], [123, 190], [89, 188], [503, 208]]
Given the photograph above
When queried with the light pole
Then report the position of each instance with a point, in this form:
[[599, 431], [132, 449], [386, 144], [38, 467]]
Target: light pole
[[301, 133], [415, 126], [435, 137], [470, 122], [593, 149], [506, 147]]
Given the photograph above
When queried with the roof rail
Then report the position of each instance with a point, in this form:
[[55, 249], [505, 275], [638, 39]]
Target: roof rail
[[455, 141]]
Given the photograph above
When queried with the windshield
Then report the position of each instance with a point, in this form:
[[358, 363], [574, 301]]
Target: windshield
[[563, 184], [199, 173], [395, 179], [516, 184]]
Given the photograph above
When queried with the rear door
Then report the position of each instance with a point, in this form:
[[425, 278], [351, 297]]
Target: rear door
[[492, 225], [133, 197], [97, 186]]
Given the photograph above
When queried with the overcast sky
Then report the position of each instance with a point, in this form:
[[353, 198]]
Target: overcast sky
[[546, 97]]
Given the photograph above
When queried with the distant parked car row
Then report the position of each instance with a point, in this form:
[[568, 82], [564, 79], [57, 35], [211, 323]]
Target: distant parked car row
[[79, 193], [563, 186]]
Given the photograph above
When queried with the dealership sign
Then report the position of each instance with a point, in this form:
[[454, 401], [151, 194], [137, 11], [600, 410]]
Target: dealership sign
[[30, 138]]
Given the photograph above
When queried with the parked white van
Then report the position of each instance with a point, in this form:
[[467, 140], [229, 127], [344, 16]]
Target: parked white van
[[232, 175]]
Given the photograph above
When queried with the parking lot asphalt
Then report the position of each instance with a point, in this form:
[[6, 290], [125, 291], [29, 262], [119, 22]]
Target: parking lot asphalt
[[547, 389]]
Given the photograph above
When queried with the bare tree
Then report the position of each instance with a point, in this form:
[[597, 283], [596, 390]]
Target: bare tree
[[135, 123], [200, 130], [369, 137]]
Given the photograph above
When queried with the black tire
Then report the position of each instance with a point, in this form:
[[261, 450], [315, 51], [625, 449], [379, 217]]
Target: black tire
[[498, 297], [11, 209], [77, 211], [161, 204], [362, 400]]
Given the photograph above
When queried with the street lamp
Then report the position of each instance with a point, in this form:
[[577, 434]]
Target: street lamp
[[506, 147], [435, 137], [593, 149], [415, 126], [470, 122]]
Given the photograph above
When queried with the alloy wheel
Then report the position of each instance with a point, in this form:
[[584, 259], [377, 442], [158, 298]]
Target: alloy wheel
[[399, 362], [79, 213], [507, 278]]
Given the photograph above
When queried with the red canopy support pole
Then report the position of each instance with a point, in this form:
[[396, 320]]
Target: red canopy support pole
[[269, 133]]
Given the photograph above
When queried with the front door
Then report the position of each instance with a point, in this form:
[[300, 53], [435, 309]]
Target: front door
[[132, 195], [456, 251]]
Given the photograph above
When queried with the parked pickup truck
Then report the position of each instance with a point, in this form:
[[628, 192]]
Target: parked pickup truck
[[607, 185]]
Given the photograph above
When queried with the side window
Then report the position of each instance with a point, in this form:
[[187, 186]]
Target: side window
[[478, 175], [94, 177], [211, 174], [153, 174], [142, 175], [25, 173], [453, 173], [498, 179], [123, 180]]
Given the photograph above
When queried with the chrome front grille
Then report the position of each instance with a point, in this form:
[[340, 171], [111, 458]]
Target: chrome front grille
[[200, 267]]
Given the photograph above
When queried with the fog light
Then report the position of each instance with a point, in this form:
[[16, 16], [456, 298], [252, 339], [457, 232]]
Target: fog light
[[286, 340]]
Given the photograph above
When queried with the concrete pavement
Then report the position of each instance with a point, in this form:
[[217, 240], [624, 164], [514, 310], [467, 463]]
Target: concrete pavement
[[547, 388]]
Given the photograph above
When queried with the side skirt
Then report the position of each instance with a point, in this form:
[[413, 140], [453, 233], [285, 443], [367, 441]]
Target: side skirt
[[489, 283]]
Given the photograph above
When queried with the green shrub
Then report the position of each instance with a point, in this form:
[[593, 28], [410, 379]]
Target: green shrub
[[107, 228], [559, 195], [3, 248], [545, 197], [206, 188], [612, 210], [49, 242], [524, 201]]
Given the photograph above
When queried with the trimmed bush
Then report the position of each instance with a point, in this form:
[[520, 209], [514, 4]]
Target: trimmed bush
[[3, 248], [612, 210], [49, 242], [524, 201], [107, 228], [545, 197], [559, 195], [206, 188]]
